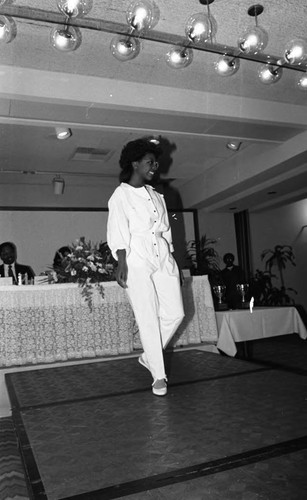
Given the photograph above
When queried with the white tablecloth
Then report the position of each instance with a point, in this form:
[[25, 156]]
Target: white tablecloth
[[242, 325], [49, 323]]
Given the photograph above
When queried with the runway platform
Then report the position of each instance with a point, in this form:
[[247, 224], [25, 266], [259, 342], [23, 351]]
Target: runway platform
[[95, 431]]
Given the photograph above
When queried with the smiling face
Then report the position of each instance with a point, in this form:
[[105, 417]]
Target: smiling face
[[144, 170]]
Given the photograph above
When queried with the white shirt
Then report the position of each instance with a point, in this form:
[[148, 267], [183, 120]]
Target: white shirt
[[134, 214], [6, 269]]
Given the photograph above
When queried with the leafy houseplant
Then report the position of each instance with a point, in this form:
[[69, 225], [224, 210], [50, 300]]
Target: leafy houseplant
[[280, 256], [89, 265], [262, 288], [203, 258]]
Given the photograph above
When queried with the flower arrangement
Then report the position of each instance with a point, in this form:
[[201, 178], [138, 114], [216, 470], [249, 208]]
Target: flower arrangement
[[87, 264]]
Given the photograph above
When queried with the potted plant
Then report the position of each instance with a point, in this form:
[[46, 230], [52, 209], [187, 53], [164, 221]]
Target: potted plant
[[280, 257], [203, 258], [261, 285]]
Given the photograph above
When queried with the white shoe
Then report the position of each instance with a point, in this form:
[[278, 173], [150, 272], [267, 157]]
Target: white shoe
[[159, 387]]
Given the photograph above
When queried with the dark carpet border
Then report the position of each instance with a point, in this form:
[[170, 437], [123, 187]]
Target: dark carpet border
[[17, 406], [33, 479], [11, 391], [194, 472]]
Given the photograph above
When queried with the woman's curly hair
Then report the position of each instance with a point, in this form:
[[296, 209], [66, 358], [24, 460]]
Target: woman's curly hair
[[135, 151]]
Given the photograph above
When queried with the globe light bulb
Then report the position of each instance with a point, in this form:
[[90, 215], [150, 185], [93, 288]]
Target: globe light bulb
[[142, 15], [75, 8], [227, 65], [200, 28], [296, 51], [179, 57], [66, 39], [302, 82], [63, 133], [269, 74], [125, 48], [8, 29], [253, 40]]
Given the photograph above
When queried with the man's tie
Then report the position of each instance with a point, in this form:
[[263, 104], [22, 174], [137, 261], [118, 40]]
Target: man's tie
[[11, 274]]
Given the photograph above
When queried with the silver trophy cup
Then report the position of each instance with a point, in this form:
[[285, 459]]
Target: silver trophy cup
[[243, 291], [219, 291]]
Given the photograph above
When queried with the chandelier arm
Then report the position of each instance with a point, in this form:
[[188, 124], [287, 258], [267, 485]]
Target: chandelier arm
[[40, 15]]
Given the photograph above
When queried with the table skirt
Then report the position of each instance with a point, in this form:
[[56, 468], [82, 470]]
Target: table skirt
[[52, 323]]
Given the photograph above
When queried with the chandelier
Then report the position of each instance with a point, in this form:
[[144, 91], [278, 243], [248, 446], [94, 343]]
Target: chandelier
[[142, 16]]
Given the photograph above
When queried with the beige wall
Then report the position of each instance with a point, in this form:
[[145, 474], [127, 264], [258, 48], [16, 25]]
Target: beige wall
[[221, 227], [37, 191], [39, 233], [283, 226]]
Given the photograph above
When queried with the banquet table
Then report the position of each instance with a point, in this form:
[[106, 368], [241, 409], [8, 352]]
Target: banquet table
[[53, 323], [242, 325]]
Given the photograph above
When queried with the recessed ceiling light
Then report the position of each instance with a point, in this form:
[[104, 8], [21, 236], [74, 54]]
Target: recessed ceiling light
[[63, 133], [233, 145]]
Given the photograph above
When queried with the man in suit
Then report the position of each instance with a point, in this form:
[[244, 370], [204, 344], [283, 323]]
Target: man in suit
[[11, 268], [232, 275]]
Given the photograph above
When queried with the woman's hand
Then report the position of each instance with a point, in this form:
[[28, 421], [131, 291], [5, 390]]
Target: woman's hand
[[122, 269]]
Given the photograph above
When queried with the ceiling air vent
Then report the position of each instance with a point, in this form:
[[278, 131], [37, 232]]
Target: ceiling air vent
[[91, 154]]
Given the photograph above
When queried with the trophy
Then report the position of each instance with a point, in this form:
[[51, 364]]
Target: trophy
[[243, 291], [219, 291]]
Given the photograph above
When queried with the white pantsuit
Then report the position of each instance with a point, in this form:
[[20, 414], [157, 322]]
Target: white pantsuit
[[138, 222]]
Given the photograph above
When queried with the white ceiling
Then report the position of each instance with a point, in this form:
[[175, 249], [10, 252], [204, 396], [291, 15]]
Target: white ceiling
[[106, 103]]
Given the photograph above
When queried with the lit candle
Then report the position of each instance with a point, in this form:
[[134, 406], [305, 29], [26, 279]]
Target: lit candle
[[251, 304]]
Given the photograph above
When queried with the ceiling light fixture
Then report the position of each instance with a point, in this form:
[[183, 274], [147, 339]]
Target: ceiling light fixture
[[69, 38], [269, 74], [201, 28], [141, 16], [58, 185], [8, 29], [227, 65], [75, 8], [254, 39], [302, 82], [66, 39], [296, 51], [233, 145], [63, 133], [179, 57], [125, 48]]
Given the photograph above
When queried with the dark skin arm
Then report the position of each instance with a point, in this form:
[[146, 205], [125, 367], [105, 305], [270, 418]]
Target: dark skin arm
[[122, 269], [181, 277]]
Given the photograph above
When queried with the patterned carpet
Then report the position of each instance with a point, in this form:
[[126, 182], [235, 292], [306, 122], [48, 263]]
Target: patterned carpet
[[228, 430], [12, 479]]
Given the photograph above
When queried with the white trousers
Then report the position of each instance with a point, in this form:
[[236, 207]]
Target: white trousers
[[155, 296]]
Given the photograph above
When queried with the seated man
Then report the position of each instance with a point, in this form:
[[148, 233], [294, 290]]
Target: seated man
[[10, 268], [231, 276]]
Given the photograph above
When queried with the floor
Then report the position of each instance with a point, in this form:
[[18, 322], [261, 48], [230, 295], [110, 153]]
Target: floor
[[228, 429]]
